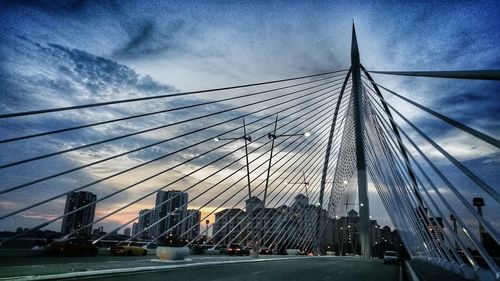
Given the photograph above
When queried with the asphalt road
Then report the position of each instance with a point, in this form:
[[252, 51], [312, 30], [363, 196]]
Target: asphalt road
[[345, 269]]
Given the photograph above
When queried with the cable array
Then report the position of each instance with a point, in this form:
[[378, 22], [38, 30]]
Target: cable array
[[214, 170], [419, 206]]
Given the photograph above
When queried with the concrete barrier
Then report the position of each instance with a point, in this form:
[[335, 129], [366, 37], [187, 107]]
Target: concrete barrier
[[293, 252], [412, 275], [11, 253], [212, 252]]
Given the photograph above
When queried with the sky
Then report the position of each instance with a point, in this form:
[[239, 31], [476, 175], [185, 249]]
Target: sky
[[77, 52]]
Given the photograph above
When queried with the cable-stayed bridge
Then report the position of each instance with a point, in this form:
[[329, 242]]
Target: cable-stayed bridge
[[269, 165]]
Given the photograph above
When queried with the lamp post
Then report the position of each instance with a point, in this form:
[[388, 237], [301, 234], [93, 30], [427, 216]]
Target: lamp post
[[454, 221], [272, 136], [306, 184], [337, 234], [479, 203], [247, 139]]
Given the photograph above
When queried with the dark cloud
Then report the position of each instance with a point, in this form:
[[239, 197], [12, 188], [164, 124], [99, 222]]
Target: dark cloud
[[147, 38], [69, 74], [62, 7], [100, 75]]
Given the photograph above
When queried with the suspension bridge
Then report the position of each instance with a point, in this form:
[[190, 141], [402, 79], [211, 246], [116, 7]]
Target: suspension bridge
[[269, 165]]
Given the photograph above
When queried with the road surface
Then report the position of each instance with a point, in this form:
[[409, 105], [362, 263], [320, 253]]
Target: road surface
[[204, 268], [324, 269]]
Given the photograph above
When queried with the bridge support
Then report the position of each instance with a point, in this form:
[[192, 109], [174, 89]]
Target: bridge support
[[364, 207]]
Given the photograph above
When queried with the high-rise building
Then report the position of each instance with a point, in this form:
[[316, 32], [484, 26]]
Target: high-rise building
[[146, 218], [254, 203], [346, 233], [253, 207], [229, 225], [76, 220], [126, 232], [386, 234], [300, 218], [301, 201], [135, 228], [170, 210], [192, 223], [268, 221]]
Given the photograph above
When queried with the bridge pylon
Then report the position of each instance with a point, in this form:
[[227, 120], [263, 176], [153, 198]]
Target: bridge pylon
[[364, 207]]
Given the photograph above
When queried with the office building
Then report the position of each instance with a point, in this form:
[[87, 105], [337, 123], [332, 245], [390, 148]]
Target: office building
[[142, 228], [170, 210], [229, 226], [75, 221], [192, 224]]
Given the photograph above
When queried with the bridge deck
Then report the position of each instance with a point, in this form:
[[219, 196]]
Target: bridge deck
[[271, 268]]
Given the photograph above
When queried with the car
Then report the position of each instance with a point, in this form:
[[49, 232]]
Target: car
[[222, 249], [265, 251], [128, 248], [236, 249], [73, 246], [391, 257]]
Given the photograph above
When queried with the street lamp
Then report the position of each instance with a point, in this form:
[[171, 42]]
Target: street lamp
[[306, 184], [272, 136], [479, 203], [247, 139], [454, 221]]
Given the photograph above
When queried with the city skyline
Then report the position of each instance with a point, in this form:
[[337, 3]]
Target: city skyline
[[147, 217]]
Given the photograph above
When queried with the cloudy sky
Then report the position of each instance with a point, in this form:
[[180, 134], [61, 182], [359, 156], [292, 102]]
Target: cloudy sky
[[82, 52]]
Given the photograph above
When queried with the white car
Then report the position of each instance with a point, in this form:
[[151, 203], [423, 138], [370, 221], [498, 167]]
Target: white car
[[391, 257]]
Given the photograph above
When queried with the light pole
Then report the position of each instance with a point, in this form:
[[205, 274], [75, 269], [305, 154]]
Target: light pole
[[247, 139], [306, 208], [479, 203], [337, 234], [454, 221], [272, 136]]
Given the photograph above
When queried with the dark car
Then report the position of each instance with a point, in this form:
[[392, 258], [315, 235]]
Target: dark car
[[73, 247], [391, 257], [236, 249], [265, 251]]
